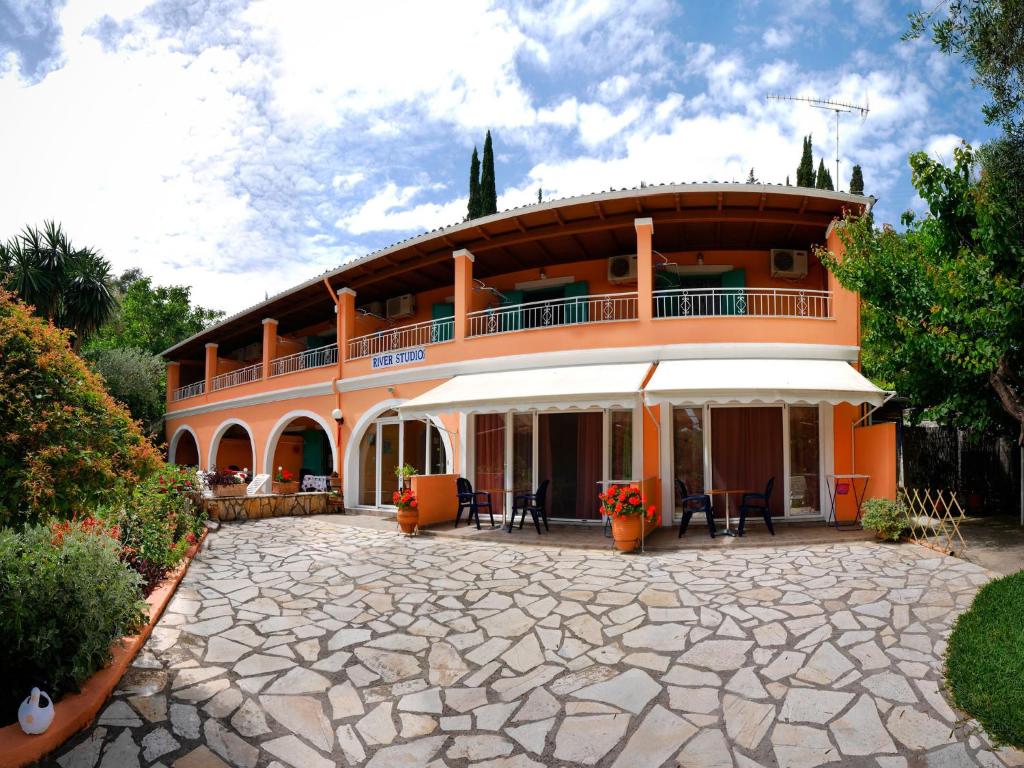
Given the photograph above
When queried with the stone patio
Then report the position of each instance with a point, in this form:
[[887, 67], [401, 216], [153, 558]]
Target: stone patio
[[307, 642]]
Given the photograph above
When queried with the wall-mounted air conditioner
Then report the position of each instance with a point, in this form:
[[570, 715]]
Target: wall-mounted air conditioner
[[788, 263], [622, 269], [401, 306]]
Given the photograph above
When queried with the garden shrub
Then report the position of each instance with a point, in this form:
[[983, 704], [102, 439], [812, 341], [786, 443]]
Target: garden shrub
[[886, 517], [65, 444], [65, 597]]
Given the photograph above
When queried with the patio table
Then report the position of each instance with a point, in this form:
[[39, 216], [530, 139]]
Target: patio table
[[505, 500], [727, 492], [840, 485]]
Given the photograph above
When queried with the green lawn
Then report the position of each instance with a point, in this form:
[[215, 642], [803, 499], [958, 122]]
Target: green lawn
[[985, 660]]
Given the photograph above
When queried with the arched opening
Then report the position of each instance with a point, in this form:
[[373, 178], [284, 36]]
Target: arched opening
[[233, 450], [301, 445], [387, 443], [183, 448]]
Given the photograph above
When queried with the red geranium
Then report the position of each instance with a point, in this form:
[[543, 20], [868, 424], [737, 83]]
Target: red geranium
[[625, 501]]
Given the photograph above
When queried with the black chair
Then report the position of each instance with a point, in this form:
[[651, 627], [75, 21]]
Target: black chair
[[757, 503], [697, 502], [471, 500], [535, 504]]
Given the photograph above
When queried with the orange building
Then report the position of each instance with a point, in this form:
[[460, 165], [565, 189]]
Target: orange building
[[673, 332]]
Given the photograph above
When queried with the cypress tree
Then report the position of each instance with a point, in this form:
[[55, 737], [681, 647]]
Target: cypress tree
[[540, 195], [751, 178], [787, 181], [823, 179], [805, 171], [488, 193], [857, 181], [474, 187]]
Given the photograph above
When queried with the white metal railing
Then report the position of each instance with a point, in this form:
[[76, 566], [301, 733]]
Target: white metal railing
[[405, 336], [572, 310], [749, 302], [194, 389], [241, 376], [308, 358]]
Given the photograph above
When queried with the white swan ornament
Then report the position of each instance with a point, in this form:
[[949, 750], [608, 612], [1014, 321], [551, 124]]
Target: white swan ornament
[[35, 716]]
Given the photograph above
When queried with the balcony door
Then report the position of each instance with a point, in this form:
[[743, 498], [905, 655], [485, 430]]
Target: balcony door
[[387, 444]]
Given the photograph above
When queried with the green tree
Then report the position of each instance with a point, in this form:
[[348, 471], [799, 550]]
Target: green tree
[[488, 190], [805, 171], [151, 318], [67, 446], [71, 287], [944, 301], [823, 179], [857, 181], [751, 178], [985, 34], [475, 202], [136, 379]]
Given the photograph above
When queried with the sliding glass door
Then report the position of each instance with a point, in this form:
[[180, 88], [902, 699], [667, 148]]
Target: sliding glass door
[[387, 444]]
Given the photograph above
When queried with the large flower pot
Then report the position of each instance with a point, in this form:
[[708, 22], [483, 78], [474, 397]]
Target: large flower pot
[[290, 486], [407, 520], [238, 489], [626, 532]]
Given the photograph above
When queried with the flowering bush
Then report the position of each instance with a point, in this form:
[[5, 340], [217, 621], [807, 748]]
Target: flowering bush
[[283, 476], [224, 477], [405, 500], [627, 501]]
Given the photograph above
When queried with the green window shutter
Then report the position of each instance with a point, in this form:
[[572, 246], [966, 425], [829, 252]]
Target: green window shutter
[[735, 302], [576, 312], [512, 320], [312, 451], [442, 331]]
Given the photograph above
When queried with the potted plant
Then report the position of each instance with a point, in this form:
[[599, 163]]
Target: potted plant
[[284, 482], [226, 482], [625, 505], [403, 473], [886, 517], [335, 500], [408, 513]]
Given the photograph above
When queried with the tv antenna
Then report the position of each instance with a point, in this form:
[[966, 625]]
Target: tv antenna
[[834, 106]]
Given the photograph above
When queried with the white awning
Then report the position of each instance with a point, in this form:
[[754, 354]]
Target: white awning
[[570, 388], [693, 382]]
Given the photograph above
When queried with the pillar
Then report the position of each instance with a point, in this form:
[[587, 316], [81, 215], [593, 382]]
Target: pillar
[[211, 366], [644, 269], [269, 344], [463, 291], [173, 380], [346, 309]]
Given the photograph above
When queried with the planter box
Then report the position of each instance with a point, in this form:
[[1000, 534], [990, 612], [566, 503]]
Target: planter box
[[291, 486], [229, 490]]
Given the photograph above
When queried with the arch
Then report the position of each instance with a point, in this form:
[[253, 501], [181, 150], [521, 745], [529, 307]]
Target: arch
[[219, 433], [351, 459], [172, 446], [283, 422]]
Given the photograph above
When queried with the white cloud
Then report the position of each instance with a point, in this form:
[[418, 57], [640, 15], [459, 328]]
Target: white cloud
[[389, 211], [941, 147], [774, 37]]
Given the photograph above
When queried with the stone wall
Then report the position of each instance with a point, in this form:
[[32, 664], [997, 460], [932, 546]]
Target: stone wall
[[267, 505]]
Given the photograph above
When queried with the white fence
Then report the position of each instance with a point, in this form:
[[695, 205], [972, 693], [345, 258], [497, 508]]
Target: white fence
[[189, 390], [236, 378], [405, 336], [749, 302], [573, 310], [309, 358]]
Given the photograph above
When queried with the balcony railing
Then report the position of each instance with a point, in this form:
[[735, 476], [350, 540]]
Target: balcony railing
[[404, 337], [194, 389], [309, 358], [238, 377], [573, 310], [746, 302]]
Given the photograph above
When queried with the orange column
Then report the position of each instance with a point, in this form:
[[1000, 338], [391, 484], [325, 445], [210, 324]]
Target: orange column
[[269, 344], [845, 304], [173, 380], [463, 291], [644, 269], [346, 330], [211, 366]]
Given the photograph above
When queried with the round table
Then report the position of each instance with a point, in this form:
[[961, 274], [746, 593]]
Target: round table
[[727, 492]]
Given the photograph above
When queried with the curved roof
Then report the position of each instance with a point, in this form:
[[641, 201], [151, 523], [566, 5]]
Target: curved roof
[[699, 216]]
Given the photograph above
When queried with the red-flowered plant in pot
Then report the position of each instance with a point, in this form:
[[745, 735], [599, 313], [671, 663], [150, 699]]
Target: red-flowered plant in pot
[[627, 507], [284, 482], [408, 510]]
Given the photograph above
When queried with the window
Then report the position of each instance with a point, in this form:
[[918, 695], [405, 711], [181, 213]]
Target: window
[[804, 477], [620, 445]]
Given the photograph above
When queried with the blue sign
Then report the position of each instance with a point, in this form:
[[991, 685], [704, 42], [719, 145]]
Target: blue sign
[[391, 359]]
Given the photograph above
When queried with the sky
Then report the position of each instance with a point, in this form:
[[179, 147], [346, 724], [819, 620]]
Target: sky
[[244, 146]]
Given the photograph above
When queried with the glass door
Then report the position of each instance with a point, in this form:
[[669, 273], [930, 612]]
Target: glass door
[[570, 450], [390, 447]]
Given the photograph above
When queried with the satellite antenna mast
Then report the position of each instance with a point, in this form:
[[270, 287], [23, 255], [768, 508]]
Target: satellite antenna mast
[[834, 106]]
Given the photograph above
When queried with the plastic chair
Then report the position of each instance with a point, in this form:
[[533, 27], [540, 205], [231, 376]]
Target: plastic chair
[[535, 504], [470, 499], [687, 500], [758, 503]]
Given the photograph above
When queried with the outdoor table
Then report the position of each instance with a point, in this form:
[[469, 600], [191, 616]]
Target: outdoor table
[[841, 485], [505, 500], [727, 492]]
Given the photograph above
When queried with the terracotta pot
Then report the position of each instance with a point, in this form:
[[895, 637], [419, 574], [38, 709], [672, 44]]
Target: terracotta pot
[[407, 520], [335, 483], [291, 486], [238, 489], [626, 532]]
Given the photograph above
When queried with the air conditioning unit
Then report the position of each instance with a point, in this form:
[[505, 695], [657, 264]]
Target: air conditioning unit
[[401, 306], [375, 308], [787, 263], [622, 269]]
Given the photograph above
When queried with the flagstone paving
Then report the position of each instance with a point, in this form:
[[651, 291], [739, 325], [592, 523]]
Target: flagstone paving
[[304, 642]]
